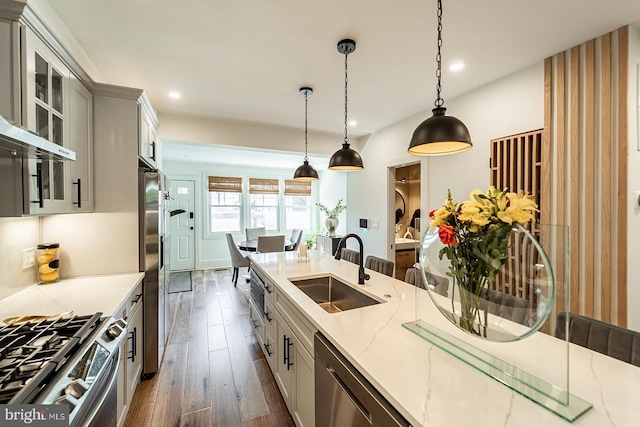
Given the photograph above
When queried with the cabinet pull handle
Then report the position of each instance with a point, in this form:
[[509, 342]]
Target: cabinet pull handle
[[79, 202], [269, 318], [284, 349], [266, 347], [132, 352], [153, 150], [40, 185], [255, 324], [268, 289], [287, 353], [137, 298]]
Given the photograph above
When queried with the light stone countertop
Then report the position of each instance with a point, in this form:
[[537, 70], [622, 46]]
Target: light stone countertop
[[432, 388], [83, 295]]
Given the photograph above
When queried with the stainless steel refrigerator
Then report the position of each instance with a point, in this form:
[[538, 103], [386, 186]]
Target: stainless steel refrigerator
[[152, 242]]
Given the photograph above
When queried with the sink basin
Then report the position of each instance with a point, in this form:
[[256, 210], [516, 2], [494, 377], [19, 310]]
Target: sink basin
[[333, 295]]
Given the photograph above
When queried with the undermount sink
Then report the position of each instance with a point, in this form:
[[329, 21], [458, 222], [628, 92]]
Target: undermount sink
[[333, 295]]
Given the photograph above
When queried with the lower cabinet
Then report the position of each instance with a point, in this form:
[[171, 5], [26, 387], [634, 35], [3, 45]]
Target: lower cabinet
[[293, 371], [130, 367], [289, 360]]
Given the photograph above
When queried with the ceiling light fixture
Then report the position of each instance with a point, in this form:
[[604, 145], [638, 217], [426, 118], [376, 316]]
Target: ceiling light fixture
[[346, 158], [174, 95], [456, 66], [305, 172], [440, 134]]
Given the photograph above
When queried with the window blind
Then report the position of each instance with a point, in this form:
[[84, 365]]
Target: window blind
[[225, 184], [263, 186], [296, 188]]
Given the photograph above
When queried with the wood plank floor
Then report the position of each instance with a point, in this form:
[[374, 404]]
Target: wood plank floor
[[213, 372]]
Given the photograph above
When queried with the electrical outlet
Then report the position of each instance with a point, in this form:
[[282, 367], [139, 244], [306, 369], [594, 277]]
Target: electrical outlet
[[28, 258]]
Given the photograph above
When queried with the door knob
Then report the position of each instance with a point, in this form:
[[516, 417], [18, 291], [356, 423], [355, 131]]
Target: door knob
[[190, 228]]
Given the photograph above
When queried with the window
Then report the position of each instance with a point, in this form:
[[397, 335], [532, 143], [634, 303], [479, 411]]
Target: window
[[225, 203], [297, 202], [263, 199]]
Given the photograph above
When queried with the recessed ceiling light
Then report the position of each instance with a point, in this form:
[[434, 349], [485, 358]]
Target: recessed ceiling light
[[174, 95], [456, 66], [353, 123]]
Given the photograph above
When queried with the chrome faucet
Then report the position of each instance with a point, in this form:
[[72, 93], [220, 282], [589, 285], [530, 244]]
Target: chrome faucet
[[362, 276]]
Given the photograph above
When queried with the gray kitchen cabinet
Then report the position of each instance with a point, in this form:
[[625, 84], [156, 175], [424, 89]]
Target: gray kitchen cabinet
[[81, 141], [148, 148], [46, 113], [41, 93], [130, 367]]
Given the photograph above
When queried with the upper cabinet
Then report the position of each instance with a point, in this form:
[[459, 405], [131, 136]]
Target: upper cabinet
[[43, 94], [148, 140], [45, 103]]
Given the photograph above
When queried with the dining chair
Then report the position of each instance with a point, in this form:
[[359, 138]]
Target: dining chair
[[237, 259], [296, 238], [350, 255], [614, 341], [437, 283], [252, 233], [380, 265], [507, 306], [270, 244]]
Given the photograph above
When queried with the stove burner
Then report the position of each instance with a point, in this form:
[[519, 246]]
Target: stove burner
[[31, 353]]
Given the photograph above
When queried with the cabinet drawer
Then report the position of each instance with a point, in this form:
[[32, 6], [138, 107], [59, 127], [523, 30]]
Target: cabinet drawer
[[256, 322], [269, 316], [299, 324], [130, 304]]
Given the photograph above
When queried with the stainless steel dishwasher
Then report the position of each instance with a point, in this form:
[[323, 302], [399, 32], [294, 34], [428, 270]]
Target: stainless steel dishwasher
[[344, 398]]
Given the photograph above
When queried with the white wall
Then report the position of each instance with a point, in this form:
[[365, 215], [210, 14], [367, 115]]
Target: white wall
[[511, 105], [16, 234], [212, 251], [633, 269]]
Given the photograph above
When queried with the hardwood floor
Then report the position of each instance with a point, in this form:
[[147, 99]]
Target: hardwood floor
[[213, 372]]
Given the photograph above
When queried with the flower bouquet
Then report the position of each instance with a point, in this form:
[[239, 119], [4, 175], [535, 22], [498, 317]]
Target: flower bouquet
[[475, 235]]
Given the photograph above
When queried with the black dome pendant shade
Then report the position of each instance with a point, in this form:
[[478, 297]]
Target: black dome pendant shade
[[440, 134], [346, 159], [306, 172]]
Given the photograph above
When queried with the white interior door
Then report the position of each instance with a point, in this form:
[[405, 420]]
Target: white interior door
[[182, 226]]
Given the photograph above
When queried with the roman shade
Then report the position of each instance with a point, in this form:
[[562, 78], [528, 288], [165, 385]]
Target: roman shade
[[296, 188], [225, 184]]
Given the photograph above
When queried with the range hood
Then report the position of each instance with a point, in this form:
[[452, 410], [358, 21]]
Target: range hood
[[20, 143]]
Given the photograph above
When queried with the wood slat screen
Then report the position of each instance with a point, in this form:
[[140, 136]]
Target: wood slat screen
[[263, 186], [516, 164], [296, 188], [586, 150], [225, 184]]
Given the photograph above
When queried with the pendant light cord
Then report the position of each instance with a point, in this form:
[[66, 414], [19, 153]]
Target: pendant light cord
[[346, 81], [306, 98], [439, 101]]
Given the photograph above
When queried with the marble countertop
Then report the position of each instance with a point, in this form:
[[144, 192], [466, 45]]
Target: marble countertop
[[432, 388], [83, 295]]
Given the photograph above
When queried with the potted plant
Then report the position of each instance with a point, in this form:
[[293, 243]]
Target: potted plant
[[332, 216]]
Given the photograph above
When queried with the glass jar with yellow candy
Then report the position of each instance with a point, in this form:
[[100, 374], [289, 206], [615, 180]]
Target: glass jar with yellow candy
[[48, 263]]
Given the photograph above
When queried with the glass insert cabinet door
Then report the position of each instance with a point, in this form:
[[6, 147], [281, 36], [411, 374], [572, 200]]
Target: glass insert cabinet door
[[46, 111]]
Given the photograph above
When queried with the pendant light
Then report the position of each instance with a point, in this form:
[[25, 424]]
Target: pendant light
[[306, 172], [440, 134], [346, 158]]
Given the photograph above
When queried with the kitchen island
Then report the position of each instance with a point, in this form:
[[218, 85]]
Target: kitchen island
[[428, 386]]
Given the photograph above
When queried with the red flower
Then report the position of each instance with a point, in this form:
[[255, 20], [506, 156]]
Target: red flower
[[431, 213], [446, 234]]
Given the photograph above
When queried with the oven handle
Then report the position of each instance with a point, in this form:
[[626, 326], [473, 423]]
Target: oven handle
[[105, 391]]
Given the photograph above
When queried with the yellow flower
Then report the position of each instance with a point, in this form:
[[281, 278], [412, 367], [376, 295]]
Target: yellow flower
[[439, 216], [520, 209]]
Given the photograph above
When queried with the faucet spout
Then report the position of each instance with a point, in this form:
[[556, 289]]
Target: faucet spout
[[362, 276]]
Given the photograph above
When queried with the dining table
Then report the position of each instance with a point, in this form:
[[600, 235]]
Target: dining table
[[252, 245]]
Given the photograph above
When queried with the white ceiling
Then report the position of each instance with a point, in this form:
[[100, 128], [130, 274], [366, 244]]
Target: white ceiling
[[245, 59]]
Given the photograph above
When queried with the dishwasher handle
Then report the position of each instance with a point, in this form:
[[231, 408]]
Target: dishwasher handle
[[365, 412]]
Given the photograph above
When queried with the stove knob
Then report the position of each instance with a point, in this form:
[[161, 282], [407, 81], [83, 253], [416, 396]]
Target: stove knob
[[76, 388], [67, 400], [113, 331]]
